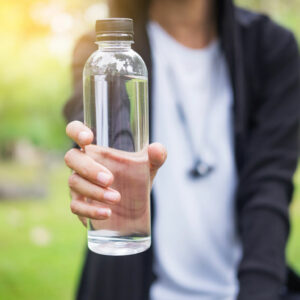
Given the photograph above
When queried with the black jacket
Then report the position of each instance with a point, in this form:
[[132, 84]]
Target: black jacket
[[264, 66]]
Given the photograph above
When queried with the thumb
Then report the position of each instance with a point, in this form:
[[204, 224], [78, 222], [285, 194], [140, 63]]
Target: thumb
[[157, 154]]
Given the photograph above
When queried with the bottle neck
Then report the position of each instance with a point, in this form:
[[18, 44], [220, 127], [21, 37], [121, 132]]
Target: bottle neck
[[114, 45]]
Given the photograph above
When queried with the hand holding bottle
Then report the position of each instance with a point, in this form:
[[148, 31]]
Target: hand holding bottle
[[92, 180]]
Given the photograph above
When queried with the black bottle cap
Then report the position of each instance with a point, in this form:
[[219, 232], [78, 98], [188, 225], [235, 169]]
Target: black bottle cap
[[114, 29]]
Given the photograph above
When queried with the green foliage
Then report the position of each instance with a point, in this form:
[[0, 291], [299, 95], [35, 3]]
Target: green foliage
[[35, 70], [36, 81], [34, 85], [31, 103], [284, 12]]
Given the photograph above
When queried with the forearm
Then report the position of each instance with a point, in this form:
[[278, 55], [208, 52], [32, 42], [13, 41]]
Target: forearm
[[264, 232]]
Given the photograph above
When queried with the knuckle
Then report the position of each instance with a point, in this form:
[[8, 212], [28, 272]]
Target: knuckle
[[94, 214], [74, 207], [69, 127], [93, 154], [98, 194], [85, 170], [73, 180], [68, 156], [118, 173]]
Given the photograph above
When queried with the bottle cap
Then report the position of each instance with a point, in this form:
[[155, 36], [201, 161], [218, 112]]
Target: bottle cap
[[114, 29]]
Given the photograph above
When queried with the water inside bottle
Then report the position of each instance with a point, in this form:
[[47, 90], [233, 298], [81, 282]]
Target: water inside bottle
[[115, 111]]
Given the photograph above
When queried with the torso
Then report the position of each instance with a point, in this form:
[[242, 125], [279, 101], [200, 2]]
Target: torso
[[196, 248]]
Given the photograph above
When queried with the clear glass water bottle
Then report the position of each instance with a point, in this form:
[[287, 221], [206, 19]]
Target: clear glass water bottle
[[116, 109]]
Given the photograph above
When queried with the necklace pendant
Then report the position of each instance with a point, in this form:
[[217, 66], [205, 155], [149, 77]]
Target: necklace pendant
[[200, 169]]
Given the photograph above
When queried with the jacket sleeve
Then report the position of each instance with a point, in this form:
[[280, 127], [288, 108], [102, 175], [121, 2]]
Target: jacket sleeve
[[265, 186], [85, 46]]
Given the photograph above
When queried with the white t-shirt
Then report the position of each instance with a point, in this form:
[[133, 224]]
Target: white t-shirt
[[196, 247]]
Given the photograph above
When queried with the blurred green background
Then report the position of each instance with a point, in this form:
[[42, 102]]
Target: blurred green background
[[41, 242]]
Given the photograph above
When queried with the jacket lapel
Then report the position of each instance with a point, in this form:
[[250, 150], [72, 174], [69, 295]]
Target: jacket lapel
[[230, 36]]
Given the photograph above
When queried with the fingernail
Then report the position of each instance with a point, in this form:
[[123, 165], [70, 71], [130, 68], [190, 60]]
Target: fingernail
[[111, 196], [83, 136], [103, 178], [104, 211]]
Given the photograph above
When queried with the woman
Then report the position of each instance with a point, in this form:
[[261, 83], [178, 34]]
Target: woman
[[234, 75]]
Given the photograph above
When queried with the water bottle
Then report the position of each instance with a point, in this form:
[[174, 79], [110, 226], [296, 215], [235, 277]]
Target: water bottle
[[115, 89]]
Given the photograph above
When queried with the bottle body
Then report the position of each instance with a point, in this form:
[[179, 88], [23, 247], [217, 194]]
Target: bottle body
[[116, 109]]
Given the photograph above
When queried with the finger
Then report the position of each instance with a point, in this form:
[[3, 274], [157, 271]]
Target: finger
[[90, 190], [157, 156], [79, 197], [88, 210], [87, 168], [79, 133]]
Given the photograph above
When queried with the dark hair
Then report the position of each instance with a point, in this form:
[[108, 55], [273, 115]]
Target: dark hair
[[138, 9], [134, 9]]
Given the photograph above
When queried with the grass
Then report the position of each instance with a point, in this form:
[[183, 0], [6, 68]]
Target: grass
[[42, 244]]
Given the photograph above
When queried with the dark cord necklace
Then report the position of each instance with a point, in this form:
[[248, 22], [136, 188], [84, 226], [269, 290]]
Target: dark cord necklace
[[199, 168]]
